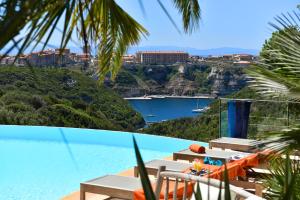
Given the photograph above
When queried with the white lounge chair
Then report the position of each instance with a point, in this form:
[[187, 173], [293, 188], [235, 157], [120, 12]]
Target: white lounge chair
[[123, 187]]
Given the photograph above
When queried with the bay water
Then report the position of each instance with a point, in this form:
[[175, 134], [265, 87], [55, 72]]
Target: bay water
[[162, 109]]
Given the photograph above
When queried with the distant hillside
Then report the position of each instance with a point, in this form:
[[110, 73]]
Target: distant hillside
[[58, 97], [209, 77], [132, 50], [194, 51]]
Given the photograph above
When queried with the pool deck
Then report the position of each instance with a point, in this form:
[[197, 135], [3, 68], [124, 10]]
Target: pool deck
[[90, 196]]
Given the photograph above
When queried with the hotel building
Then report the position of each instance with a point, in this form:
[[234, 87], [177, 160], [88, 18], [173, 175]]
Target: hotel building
[[161, 57]]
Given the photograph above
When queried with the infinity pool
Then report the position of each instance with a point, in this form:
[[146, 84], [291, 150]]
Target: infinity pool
[[49, 162]]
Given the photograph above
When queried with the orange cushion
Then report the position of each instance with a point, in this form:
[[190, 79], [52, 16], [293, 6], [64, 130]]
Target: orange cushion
[[197, 148], [139, 194]]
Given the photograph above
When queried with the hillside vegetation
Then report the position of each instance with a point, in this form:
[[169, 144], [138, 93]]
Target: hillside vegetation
[[60, 97]]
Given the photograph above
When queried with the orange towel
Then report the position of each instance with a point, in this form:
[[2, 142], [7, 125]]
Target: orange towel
[[248, 161], [234, 169], [197, 148], [139, 194]]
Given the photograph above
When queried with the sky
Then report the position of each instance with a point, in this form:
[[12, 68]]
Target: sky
[[224, 23]]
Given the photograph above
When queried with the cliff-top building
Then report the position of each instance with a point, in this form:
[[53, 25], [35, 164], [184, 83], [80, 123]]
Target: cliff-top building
[[161, 57], [49, 57]]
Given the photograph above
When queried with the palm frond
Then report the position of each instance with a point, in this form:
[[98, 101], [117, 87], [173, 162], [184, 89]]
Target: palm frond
[[115, 31], [148, 191], [283, 141], [191, 13], [277, 73], [272, 83], [284, 180], [103, 22], [197, 193]]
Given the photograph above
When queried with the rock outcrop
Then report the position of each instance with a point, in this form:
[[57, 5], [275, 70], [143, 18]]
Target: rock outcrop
[[225, 81], [189, 79]]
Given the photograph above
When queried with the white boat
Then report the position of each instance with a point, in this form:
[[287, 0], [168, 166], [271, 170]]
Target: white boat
[[151, 115], [139, 98], [157, 96], [200, 110]]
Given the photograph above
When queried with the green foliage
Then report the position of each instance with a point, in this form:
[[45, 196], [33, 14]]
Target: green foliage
[[277, 74], [284, 180], [125, 78], [197, 194], [57, 97]]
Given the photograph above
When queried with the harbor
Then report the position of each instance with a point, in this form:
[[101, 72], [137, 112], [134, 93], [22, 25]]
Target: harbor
[[148, 97]]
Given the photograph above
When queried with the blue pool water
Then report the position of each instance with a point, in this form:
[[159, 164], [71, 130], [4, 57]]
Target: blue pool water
[[49, 162], [157, 110]]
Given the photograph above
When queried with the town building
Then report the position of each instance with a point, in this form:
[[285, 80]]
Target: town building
[[196, 58], [227, 57], [161, 57], [83, 58], [49, 57], [242, 63], [214, 58], [243, 57], [128, 59]]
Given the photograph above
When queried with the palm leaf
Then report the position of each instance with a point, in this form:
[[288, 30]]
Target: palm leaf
[[101, 21], [148, 191], [277, 73], [191, 14], [168, 15], [197, 194], [115, 30], [283, 141], [227, 195], [284, 180]]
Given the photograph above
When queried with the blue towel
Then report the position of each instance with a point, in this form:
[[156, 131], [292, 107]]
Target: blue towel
[[209, 161], [238, 118], [218, 163]]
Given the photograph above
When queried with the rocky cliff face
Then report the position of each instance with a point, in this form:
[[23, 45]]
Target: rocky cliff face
[[225, 81], [138, 80]]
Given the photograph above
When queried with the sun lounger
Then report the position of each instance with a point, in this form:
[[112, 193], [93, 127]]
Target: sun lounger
[[237, 144], [235, 169], [153, 165], [111, 185], [122, 187], [224, 156]]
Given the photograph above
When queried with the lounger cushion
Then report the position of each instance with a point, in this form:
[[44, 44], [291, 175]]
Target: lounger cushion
[[116, 181]]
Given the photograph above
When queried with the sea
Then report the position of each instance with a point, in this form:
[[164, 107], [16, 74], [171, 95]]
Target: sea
[[162, 109]]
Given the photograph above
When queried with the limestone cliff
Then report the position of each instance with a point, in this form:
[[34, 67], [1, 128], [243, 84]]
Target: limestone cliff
[[188, 79], [225, 81]]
